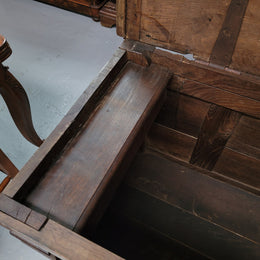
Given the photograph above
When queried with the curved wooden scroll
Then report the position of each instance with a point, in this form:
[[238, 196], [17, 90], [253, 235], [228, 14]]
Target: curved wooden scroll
[[16, 98]]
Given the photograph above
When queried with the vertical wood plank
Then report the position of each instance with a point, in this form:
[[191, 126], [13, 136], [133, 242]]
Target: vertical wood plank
[[133, 19], [216, 130], [227, 38], [121, 17]]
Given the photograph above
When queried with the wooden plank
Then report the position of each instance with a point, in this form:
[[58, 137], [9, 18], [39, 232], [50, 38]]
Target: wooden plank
[[219, 97], [208, 198], [133, 18], [67, 128], [216, 129], [246, 56], [171, 142], [71, 187], [190, 27], [57, 240], [232, 82], [240, 167], [178, 224], [227, 38], [183, 113], [121, 18], [246, 137]]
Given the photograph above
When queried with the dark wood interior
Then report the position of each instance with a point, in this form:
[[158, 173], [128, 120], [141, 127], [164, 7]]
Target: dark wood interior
[[160, 155]]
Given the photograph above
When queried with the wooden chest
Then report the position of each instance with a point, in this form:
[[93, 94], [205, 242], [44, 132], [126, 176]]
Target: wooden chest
[[85, 7], [159, 158]]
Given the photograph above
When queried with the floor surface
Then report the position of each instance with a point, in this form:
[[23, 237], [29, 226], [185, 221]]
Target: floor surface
[[56, 54]]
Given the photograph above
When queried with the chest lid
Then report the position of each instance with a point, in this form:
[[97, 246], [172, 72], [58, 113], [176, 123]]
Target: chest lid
[[223, 32]]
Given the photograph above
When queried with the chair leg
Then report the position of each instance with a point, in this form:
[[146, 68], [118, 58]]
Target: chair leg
[[18, 104], [7, 167], [16, 97]]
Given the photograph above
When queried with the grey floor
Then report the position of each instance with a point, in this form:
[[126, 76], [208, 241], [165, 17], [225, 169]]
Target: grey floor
[[56, 54]]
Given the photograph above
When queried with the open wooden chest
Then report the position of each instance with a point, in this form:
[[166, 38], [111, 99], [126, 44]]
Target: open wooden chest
[[160, 156]]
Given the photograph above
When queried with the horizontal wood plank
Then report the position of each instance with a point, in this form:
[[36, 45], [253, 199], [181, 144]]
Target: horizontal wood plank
[[246, 137], [178, 224], [171, 142], [243, 85], [208, 198], [240, 167], [220, 97]]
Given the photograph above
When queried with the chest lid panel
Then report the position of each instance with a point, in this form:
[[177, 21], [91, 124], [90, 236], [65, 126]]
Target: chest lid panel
[[224, 32]]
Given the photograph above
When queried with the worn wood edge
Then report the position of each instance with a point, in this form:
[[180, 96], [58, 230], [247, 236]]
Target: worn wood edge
[[164, 56], [57, 240], [57, 140], [153, 106], [21, 213]]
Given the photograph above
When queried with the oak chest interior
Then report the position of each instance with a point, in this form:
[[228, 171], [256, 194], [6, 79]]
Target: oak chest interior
[[159, 158]]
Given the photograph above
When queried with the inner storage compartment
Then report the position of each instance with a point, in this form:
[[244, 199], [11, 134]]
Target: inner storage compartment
[[165, 209]]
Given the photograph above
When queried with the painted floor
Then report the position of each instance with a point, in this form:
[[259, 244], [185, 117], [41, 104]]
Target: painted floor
[[56, 54]]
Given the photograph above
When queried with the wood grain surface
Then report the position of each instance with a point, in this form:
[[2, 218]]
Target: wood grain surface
[[246, 56], [240, 167], [190, 27], [67, 129], [197, 233], [234, 82], [216, 130], [74, 183], [57, 240], [246, 137], [227, 38], [171, 142], [203, 196]]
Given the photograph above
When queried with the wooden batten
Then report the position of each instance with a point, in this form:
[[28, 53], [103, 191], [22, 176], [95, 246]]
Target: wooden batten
[[223, 32]]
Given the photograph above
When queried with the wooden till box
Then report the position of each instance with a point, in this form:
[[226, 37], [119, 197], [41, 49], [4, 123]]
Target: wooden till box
[[159, 158]]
